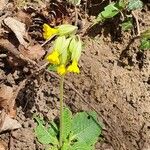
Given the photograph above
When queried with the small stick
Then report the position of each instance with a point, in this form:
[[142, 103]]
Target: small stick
[[76, 15], [48, 40], [137, 23]]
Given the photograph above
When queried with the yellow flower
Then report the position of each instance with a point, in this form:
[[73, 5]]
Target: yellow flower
[[61, 69], [48, 31], [53, 57], [73, 67]]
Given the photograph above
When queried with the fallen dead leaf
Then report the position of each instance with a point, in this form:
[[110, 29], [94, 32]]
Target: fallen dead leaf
[[24, 18], [7, 101], [34, 52], [3, 4], [7, 123], [3, 145], [18, 28], [7, 109]]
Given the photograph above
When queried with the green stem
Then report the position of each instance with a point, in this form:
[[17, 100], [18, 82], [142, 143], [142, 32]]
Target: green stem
[[61, 111]]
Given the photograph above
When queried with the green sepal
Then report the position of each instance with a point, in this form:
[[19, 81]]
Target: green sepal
[[66, 29], [60, 44], [75, 48]]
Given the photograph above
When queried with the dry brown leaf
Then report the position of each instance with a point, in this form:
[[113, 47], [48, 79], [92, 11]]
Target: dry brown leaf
[[34, 52], [18, 28], [3, 4], [24, 18], [7, 123], [3, 145], [7, 101]]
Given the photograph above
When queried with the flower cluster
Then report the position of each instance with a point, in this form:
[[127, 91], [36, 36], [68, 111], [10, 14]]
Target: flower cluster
[[66, 50]]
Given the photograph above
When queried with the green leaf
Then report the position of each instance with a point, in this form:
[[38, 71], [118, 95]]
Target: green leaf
[[44, 135], [74, 2], [86, 128], [67, 119], [52, 148], [135, 4], [81, 146], [53, 129], [52, 68], [146, 34], [121, 4], [145, 44], [109, 12], [127, 25]]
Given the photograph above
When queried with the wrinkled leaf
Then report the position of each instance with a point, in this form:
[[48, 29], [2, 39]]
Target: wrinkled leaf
[[67, 118], [18, 28], [146, 34], [3, 145], [145, 44], [34, 52], [53, 129], [81, 146], [121, 4], [3, 4], [52, 68], [7, 123], [135, 4], [74, 2], [44, 135], [127, 25], [109, 11], [7, 101], [82, 128]]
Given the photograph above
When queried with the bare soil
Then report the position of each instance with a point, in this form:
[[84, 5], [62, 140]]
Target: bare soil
[[114, 79]]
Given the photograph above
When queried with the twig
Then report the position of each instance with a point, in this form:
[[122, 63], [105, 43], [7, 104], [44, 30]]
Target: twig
[[48, 40], [137, 23], [10, 140], [76, 15]]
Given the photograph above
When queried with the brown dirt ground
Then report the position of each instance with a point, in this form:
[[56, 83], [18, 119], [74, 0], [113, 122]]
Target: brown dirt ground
[[115, 79]]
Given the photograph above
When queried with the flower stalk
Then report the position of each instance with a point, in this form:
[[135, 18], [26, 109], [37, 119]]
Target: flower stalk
[[61, 111]]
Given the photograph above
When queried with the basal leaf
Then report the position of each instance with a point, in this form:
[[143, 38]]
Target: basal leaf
[[67, 118], [127, 25], [135, 4], [146, 34], [121, 4], [109, 12], [86, 128], [52, 68], [145, 44], [43, 135], [81, 146], [74, 2], [53, 129]]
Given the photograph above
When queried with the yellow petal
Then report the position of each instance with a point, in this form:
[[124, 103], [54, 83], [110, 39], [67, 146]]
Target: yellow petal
[[61, 69], [73, 67], [48, 31], [53, 58]]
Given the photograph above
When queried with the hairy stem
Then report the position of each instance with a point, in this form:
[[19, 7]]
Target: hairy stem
[[61, 111]]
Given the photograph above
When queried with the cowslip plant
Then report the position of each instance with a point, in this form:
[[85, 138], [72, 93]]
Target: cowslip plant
[[74, 132]]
